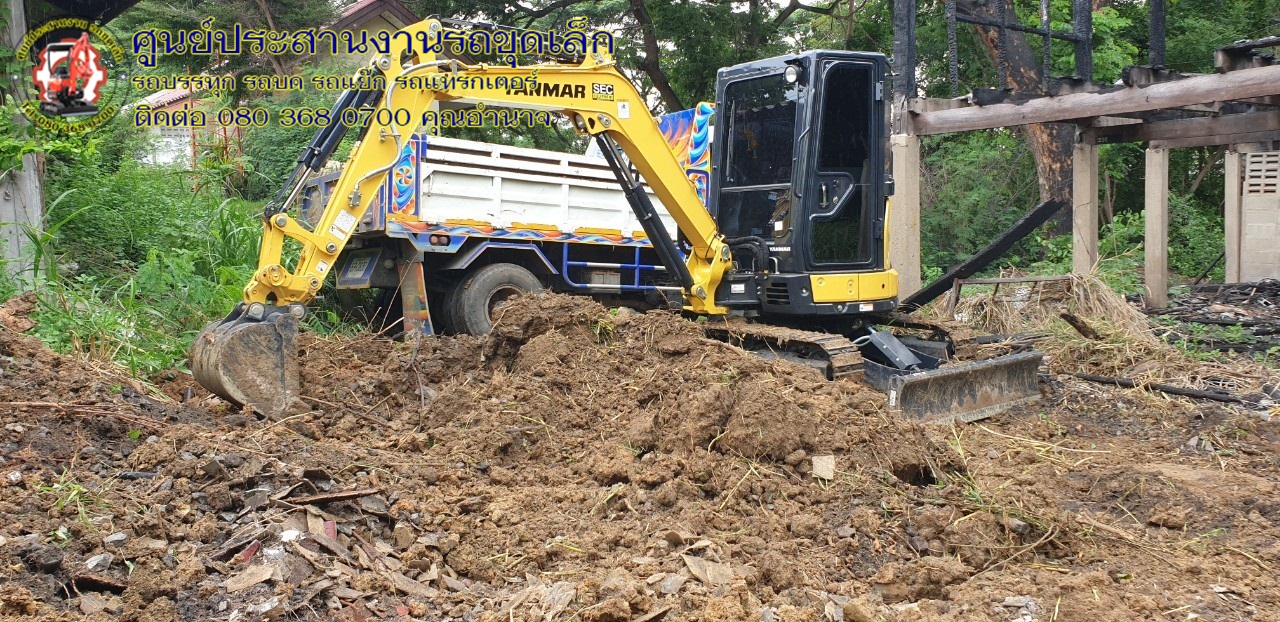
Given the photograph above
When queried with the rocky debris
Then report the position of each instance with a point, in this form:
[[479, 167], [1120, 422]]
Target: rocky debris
[[614, 467], [99, 562]]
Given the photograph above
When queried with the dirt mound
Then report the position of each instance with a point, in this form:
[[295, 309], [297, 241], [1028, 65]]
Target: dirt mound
[[597, 464]]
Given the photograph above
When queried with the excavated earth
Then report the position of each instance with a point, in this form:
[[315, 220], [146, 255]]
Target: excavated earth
[[596, 465]]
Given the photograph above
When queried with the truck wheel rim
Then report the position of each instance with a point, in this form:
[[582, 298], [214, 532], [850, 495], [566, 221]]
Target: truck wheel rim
[[500, 296]]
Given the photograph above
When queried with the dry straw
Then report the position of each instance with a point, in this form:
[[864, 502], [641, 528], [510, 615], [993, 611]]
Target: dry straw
[[1127, 346]]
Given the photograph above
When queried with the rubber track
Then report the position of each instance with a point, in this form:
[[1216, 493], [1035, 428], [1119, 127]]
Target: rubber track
[[841, 356]]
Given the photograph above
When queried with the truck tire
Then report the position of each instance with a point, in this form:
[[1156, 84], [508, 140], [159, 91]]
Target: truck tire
[[445, 322], [474, 300]]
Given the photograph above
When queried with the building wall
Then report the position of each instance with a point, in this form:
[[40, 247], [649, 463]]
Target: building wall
[[1260, 216]]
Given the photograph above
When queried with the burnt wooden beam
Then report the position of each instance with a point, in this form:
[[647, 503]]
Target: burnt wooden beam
[[983, 258], [1143, 75], [1185, 128], [1218, 139], [1243, 84], [980, 21], [1244, 54]]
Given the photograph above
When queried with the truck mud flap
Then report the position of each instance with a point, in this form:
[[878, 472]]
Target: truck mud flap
[[965, 392]]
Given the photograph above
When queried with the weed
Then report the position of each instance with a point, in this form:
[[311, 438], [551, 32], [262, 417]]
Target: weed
[[729, 376], [603, 328], [68, 493]]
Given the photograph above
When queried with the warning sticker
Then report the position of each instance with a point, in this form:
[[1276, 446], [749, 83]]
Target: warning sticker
[[345, 222], [624, 110]]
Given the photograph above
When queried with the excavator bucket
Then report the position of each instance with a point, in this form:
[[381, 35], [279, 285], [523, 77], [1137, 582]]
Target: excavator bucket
[[250, 362], [965, 392]]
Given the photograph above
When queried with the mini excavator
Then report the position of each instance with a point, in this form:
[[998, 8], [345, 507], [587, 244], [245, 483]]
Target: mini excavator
[[69, 78], [792, 241]]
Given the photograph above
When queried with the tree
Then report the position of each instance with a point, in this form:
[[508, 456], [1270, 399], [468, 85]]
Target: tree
[[1050, 143]]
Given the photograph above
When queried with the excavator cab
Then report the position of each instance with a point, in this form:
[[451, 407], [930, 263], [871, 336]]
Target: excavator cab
[[798, 184]]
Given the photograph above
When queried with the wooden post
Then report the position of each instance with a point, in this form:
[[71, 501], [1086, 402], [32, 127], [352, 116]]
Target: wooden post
[[1084, 208], [904, 216], [1156, 240], [21, 193]]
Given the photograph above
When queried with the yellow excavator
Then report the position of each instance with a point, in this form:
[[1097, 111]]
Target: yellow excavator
[[791, 242]]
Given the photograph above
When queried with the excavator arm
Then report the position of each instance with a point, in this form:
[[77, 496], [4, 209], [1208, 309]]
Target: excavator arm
[[249, 357], [637, 135]]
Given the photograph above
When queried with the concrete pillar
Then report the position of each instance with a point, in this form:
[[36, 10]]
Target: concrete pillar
[[21, 194], [1156, 239], [1084, 208], [1231, 209], [904, 216]]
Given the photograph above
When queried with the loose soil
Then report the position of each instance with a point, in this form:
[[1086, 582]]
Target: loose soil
[[596, 465]]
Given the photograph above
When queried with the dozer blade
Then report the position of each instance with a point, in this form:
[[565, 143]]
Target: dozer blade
[[250, 362], [964, 392]]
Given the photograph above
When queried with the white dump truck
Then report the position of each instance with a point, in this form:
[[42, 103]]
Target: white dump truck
[[479, 222]]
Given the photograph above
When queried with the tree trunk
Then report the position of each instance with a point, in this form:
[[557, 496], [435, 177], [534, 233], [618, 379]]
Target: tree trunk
[[21, 190], [1050, 143], [650, 64]]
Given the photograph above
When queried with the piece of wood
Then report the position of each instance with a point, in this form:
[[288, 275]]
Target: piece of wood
[[1239, 54], [1081, 326], [251, 576], [411, 587], [330, 497], [1130, 383], [1155, 264], [1186, 128], [983, 258], [1084, 208], [904, 214], [918, 105], [1242, 84], [1220, 139]]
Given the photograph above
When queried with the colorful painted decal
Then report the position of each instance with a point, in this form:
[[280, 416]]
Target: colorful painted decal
[[400, 194], [688, 133], [419, 233]]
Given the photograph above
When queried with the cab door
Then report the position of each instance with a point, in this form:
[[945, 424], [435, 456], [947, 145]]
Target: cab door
[[845, 201]]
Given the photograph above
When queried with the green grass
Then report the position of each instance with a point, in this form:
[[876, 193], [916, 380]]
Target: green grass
[[133, 262]]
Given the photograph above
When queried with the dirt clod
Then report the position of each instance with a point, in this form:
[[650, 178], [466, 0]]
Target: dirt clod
[[581, 463]]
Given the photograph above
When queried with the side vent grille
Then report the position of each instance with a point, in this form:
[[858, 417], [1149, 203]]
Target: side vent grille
[[777, 294]]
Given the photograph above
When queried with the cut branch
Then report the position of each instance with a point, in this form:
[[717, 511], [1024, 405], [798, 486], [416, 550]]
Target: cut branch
[[1208, 166], [1130, 383]]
